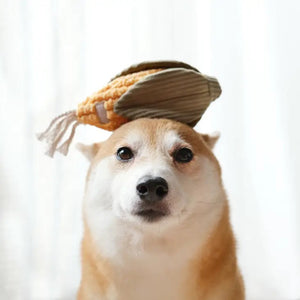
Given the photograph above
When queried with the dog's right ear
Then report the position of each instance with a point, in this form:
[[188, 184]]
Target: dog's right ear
[[89, 151], [211, 139]]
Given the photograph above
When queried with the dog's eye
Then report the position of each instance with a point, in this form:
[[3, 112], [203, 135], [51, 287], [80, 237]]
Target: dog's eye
[[183, 155], [124, 154]]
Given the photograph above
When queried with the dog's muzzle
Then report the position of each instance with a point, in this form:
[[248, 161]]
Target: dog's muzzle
[[152, 191]]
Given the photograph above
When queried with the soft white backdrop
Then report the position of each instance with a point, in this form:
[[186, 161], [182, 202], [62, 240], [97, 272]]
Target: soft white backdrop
[[55, 53]]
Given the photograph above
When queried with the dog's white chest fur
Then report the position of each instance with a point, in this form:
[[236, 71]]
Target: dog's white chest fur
[[152, 264]]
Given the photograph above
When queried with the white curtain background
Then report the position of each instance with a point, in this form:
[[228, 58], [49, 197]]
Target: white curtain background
[[55, 53]]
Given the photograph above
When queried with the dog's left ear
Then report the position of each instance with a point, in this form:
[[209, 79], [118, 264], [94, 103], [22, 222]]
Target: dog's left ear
[[89, 151], [210, 139]]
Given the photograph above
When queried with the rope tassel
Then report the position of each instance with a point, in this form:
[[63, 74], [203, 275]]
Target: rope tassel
[[56, 131]]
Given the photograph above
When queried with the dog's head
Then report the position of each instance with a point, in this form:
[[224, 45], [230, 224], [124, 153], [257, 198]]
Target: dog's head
[[152, 171]]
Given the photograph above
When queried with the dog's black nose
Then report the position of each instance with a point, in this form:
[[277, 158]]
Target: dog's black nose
[[152, 189]]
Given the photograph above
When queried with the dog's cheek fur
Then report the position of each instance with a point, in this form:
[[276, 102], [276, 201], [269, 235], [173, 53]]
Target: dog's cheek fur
[[200, 185], [123, 192], [98, 188], [110, 189]]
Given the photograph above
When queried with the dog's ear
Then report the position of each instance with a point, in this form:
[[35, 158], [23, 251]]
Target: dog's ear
[[211, 139], [89, 151]]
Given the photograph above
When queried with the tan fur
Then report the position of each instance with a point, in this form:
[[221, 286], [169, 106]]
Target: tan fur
[[213, 273], [216, 270], [95, 270]]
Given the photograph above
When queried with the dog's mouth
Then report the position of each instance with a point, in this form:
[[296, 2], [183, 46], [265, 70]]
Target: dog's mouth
[[152, 214]]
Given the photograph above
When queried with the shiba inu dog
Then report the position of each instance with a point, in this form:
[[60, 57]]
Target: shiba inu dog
[[156, 218]]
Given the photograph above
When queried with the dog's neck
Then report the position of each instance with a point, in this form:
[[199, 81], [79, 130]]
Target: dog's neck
[[130, 264]]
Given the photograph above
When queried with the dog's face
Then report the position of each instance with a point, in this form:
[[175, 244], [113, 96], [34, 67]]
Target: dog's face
[[152, 171]]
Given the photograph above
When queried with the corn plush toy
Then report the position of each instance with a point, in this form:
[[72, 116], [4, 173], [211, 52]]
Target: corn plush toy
[[163, 89]]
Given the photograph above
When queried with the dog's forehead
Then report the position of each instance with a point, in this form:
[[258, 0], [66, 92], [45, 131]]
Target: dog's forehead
[[172, 138], [155, 133], [166, 138]]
